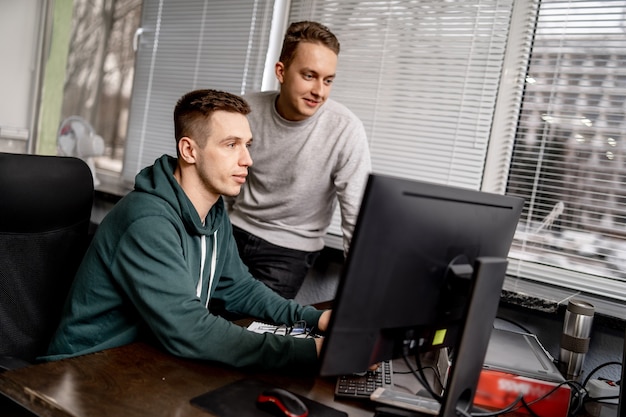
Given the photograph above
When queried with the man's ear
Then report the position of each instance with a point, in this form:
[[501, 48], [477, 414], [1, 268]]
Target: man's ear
[[187, 149], [279, 70]]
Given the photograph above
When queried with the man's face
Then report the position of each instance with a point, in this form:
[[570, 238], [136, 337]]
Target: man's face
[[222, 165], [307, 82]]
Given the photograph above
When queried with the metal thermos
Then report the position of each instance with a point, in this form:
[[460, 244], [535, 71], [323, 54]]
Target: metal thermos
[[575, 337]]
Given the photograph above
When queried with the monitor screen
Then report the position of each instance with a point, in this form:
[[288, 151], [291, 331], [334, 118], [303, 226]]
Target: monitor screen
[[407, 282]]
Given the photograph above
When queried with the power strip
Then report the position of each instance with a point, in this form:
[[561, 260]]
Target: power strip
[[598, 388]]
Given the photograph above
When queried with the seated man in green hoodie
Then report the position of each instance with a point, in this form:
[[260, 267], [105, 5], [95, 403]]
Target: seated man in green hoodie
[[166, 251]]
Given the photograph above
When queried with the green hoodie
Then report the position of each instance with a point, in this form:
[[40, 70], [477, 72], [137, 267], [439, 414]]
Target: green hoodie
[[140, 277]]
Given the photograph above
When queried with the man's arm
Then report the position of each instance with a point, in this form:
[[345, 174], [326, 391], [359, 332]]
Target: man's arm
[[162, 290], [354, 167], [322, 325]]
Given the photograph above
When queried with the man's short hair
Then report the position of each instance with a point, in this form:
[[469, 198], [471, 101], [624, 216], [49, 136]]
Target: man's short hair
[[306, 31], [195, 108]]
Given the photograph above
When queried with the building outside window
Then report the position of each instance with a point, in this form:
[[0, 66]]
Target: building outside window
[[568, 160]]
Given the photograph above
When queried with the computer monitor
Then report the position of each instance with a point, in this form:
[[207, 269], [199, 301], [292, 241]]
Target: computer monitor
[[425, 266]]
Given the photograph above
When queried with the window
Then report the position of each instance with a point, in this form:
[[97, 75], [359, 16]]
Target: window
[[423, 76], [568, 161], [443, 101], [523, 97], [100, 71], [22, 32], [184, 46]]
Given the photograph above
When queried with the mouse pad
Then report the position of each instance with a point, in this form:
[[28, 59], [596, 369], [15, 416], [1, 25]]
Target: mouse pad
[[239, 400]]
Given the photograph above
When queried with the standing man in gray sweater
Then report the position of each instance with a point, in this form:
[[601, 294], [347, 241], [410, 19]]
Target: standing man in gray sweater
[[309, 152]]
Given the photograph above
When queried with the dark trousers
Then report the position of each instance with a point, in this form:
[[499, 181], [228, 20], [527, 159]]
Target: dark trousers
[[281, 269]]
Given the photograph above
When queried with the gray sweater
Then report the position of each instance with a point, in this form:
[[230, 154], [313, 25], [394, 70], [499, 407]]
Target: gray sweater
[[300, 170]]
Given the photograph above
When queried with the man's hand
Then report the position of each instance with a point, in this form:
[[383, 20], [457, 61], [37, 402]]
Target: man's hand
[[322, 323]]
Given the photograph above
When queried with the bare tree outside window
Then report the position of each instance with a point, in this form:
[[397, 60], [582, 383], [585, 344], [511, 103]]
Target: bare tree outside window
[[100, 69]]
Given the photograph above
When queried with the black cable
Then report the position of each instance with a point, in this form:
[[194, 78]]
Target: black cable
[[527, 407], [576, 398], [514, 323], [520, 402], [597, 368], [579, 393], [586, 398], [504, 410], [432, 368], [421, 378]]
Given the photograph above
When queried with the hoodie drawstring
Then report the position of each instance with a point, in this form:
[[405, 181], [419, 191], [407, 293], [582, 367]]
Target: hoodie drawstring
[[203, 261]]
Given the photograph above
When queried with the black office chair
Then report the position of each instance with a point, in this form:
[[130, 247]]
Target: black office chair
[[45, 210]]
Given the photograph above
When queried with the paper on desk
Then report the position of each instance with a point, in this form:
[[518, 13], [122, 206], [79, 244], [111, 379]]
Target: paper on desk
[[260, 327]]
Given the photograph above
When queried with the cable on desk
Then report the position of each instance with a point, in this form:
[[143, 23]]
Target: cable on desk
[[520, 402], [420, 376], [507, 409], [586, 398], [597, 368], [434, 370], [527, 407], [575, 403], [578, 396]]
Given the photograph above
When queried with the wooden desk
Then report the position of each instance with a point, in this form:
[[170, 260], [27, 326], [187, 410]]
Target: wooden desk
[[138, 380]]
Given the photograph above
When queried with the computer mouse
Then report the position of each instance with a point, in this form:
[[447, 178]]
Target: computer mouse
[[281, 403]]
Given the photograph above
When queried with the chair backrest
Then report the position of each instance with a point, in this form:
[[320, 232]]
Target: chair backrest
[[45, 210]]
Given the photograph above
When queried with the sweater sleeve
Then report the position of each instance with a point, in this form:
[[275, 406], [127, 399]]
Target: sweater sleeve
[[161, 287], [350, 177]]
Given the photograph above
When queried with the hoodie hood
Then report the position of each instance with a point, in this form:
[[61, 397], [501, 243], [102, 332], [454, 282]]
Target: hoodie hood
[[152, 180]]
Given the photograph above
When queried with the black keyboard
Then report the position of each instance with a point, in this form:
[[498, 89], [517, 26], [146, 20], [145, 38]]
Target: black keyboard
[[357, 386]]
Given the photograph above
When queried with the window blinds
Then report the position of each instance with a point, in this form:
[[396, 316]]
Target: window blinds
[[186, 45], [423, 77], [568, 159]]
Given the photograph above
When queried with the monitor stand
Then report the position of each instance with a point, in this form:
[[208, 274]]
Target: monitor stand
[[470, 349]]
